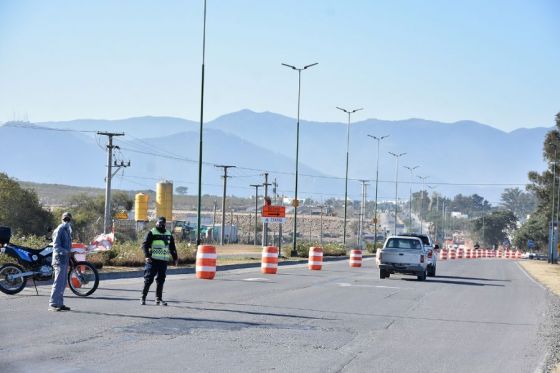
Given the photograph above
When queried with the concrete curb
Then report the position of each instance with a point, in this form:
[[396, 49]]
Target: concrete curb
[[227, 267]]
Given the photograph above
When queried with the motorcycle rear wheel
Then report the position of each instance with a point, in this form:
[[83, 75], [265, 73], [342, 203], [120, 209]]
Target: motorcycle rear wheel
[[83, 279], [11, 286]]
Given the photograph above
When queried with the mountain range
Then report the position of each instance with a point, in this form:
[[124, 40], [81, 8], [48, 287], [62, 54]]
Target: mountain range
[[462, 157]]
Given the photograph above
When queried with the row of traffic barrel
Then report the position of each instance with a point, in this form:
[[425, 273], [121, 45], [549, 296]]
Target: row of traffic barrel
[[206, 260], [478, 253]]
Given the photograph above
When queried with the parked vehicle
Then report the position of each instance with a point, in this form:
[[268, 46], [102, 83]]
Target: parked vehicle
[[430, 248], [35, 264], [403, 254]]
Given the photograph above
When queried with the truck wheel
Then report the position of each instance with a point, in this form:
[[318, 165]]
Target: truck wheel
[[383, 274], [422, 276]]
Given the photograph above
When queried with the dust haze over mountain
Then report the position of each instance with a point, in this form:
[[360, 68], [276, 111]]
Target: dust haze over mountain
[[461, 157]]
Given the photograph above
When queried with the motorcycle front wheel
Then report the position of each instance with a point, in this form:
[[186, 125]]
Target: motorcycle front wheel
[[10, 285], [83, 279]]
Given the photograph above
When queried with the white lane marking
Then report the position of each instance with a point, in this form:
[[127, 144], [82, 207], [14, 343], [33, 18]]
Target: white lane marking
[[256, 279], [345, 284], [529, 276]]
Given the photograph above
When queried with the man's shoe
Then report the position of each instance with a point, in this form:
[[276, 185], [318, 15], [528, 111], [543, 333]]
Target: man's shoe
[[54, 308], [160, 302], [143, 301], [63, 308]]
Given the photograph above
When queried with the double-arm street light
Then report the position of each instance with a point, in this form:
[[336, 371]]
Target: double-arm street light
[[349, 112], [378, 139], [423, 178], [411, 169], [397, 156], [295, 201]]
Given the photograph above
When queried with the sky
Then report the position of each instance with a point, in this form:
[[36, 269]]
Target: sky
[[495, 62]]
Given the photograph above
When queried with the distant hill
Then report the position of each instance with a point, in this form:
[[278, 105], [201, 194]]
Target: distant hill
[[464, 152]]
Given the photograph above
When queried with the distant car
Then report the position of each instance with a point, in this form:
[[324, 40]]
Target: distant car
[[429, 246], [403, 254]]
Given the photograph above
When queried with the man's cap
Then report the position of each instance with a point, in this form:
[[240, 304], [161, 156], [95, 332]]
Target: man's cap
[[66, 215]]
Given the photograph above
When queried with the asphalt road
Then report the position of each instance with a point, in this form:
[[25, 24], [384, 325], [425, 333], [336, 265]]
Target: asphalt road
[[476, 316]]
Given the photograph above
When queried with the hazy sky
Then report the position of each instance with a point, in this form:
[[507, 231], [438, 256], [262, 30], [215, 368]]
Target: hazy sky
[[496, 62]]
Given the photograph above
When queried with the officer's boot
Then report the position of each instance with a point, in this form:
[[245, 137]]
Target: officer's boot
[[159, 293], [144, 294]]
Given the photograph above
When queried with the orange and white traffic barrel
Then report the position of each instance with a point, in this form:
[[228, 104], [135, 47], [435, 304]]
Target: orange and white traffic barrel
[[355, 258], [269, 262], [443, 254], [468, 253], [500, 253], [315, 258], [508, 254], [452, 254], [460, 253], [206, 262]]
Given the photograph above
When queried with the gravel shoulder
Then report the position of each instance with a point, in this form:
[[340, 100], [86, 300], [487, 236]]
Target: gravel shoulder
[[549, 276]]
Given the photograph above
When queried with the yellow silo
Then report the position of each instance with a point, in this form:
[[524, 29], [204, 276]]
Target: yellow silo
[[141, 207], [164, 200]]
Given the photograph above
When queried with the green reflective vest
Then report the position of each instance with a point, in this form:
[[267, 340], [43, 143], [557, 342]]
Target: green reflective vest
[[160, 245]]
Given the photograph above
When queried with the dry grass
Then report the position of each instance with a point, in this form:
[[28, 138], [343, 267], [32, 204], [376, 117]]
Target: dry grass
[[546, 274]]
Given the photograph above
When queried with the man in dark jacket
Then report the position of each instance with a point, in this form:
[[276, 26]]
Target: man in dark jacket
[[159, 248]]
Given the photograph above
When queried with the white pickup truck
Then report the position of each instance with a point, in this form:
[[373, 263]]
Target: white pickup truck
[[403, 254]]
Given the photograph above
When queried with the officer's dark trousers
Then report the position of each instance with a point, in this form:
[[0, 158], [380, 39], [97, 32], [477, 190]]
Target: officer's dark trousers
[[156, 267]]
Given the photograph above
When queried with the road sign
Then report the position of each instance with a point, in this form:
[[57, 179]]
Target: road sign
[[269, 211], [530, 244], [121, 215], [295, 203], [273, 220]]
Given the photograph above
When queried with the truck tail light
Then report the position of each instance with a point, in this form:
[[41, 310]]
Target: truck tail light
[[421, 258], [430, 253], [380, 255]]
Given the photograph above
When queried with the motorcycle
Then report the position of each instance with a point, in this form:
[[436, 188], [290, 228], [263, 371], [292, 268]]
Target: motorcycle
[[36, 264]]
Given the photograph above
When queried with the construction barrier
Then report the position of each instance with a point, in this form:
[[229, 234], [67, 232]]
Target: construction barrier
[[315, 258], [518, 254], [443, 254], [269, 261], [452, 254], [468, 253], [355, 258], [79, 251], [485, 253], [500, 253], [206, 262], [508, 254], [460, 254]]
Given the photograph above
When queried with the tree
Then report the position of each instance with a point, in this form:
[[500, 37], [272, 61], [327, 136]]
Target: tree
[[494, 228], [541, 186], [519, 202], [182, 190], [21, 210]]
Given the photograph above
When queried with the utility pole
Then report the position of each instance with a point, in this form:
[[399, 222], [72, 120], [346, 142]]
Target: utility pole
[[423, 178], [275, 190], [224, 201], [265, 225], [107, 221], [362, 213], [230, 226], [321, 231], [551, 231], [397, 156], [214, 220], [256, 186]]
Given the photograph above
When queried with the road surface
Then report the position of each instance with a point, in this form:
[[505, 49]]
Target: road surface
[[476, 316]]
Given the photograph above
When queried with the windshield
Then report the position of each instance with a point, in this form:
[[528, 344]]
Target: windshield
[[424, 238], [403, 243]]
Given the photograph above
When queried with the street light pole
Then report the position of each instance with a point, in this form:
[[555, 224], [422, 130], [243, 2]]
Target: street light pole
[[423, 178], [199, 204], [378, 139], [551, 231], [397, 156], [295, 201], [349, 112], [411, 169]]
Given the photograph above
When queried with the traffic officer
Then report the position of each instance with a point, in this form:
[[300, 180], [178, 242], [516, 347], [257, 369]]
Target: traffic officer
[[159, 248]]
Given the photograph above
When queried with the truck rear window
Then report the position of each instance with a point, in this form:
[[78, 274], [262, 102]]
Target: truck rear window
[[403, 243]]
